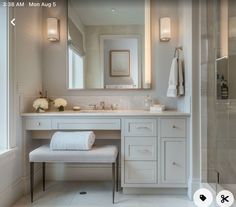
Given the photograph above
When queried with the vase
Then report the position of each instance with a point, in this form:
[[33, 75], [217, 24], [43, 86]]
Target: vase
[[40, 110], [61, 108]]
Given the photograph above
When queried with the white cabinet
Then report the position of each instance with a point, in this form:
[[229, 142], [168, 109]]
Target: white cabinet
[[140, 147], [155, 152], [173, 151], [154, 147], [173, 161]]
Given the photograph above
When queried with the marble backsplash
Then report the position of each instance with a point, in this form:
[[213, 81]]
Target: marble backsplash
[[123, 102]]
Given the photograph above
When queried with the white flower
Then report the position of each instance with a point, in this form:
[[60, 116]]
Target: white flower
[[40, 103], [60, 102]]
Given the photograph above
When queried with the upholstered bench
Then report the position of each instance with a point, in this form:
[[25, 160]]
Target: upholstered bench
[[97, 155]]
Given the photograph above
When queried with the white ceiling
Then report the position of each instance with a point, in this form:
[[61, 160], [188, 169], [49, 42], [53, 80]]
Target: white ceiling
[[99, 12]]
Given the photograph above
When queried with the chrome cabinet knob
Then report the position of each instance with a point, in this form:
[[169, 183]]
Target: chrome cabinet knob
[[38, 124], [174, 127]]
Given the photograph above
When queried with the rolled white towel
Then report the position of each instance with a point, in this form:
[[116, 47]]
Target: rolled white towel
[[83, 140]]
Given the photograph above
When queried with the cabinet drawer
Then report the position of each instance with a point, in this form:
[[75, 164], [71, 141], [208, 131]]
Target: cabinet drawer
[[140, 127], [38, 124], [140, 172], [140, 148], [173, 161], [86, 124], [173, 127]]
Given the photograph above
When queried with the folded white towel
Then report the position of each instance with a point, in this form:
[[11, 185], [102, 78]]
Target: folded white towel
[[83, 140], [173, 79]]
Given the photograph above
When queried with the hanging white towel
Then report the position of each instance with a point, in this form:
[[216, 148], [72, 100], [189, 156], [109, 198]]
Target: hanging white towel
[[173, 79], [72, 140], [181, 78]]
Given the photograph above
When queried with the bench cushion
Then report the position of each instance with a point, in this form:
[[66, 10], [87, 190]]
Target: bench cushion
[[98, 154]]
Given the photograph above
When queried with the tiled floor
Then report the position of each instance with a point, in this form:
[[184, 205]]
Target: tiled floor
[[99, 194]]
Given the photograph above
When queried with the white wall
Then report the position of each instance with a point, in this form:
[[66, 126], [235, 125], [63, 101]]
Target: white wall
[[3, 75], [27, 82], [190, 40]]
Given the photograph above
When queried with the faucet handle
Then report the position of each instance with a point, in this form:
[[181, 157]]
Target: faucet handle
[[94, 106], [102, 105]]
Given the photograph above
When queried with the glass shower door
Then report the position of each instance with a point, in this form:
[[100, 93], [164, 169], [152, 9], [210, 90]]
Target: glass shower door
[[225, 87]]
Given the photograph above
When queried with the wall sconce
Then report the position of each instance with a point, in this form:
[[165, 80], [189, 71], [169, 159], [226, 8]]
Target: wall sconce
[[165, 29], [53, 29]]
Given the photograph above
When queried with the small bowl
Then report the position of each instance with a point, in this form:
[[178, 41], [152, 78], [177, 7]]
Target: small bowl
[[76, 108]]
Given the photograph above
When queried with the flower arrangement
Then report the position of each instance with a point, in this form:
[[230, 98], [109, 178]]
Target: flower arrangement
[[60, 104], [40, 105]]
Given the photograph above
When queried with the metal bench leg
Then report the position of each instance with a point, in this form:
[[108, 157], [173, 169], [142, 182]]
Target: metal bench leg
[[113, 183], [117, 173], [32, 181], [44, 175]]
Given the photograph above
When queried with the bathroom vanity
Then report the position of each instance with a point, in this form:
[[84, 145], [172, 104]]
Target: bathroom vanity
[[154, 146]]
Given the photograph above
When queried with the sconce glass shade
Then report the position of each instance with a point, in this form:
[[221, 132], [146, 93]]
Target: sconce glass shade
[[53, 29], [165, 29]]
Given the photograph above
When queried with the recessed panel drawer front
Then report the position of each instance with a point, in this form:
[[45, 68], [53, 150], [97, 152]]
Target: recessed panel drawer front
[[38, 124], [86, 124], [173, 162], [140, 148], [140, 172], [173, 127], [140, 127]]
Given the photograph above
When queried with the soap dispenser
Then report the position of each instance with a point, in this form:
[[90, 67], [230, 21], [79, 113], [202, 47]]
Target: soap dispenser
[[147, 102], [224, 88]]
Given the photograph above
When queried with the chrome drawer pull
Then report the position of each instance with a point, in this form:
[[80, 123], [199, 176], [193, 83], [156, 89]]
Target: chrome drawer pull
[[142, 127], [144, 151], [174, 163], [174, 127], [38, 124]]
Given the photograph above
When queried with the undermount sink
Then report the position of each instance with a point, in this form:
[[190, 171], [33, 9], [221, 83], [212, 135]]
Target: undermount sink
[[98, 111]]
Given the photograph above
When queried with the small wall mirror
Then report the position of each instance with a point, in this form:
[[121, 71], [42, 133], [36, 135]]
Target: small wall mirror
[[109, 44]]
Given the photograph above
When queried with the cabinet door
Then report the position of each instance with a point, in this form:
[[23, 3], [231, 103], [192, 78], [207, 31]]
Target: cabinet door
[[173, 160]]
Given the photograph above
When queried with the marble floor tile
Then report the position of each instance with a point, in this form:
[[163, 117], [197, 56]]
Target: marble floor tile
[[63, 194]]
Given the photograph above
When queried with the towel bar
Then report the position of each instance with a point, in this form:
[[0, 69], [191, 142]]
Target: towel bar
[[177, 50]]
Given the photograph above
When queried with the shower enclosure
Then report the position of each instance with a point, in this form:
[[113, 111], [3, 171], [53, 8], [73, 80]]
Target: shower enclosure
[[218, 93]]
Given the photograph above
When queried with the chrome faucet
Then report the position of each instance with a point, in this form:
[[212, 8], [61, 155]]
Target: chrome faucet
[[102, 105], [94, 106]]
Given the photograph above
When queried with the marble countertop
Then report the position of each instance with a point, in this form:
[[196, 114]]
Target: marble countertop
[[118, 113]]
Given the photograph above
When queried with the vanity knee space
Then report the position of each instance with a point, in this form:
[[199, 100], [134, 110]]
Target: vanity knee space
[[155, 152]]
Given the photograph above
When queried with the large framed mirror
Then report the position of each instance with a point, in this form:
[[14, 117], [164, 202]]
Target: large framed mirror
[[109, 44]]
